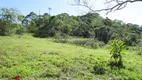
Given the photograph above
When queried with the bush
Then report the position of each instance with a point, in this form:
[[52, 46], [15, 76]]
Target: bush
[[51, 72], [99, 67], [89, 43], [117, 47], [21, 31], [80, 42], [139, 48], [61, 38], [98, 44]]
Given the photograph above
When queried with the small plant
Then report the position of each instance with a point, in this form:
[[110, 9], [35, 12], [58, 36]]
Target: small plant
[[51, 72], [100, 66], [117, 46]]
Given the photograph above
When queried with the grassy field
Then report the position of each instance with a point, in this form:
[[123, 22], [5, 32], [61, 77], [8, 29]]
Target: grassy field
[[41, 59]]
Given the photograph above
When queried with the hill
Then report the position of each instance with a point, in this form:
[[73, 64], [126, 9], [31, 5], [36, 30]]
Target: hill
[[38, 58]]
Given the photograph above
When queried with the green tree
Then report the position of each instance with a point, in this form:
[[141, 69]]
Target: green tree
[[8, 17], [49, 29], [31, 21], [103, 34], [117, 46]]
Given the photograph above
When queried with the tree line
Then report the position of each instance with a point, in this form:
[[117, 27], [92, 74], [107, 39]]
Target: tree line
[[90, 25]]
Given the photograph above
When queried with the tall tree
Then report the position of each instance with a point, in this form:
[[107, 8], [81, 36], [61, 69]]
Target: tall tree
[[8, 16]]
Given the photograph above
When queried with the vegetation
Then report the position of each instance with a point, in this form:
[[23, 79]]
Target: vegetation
[[68, 47], [116, 54], [35, 58], [91, 25]]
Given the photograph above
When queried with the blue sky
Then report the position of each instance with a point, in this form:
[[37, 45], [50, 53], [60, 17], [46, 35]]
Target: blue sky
[[131, 14]]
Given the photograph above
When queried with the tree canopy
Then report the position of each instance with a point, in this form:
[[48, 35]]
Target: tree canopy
[[90, 25]]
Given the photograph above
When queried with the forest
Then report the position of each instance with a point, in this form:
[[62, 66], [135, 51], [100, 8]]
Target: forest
[[67, 47], [90, 25]]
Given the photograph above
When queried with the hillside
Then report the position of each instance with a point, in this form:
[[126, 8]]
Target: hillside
[[40, 59]]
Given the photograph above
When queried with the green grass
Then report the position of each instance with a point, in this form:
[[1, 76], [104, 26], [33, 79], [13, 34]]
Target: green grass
[[41, 59]]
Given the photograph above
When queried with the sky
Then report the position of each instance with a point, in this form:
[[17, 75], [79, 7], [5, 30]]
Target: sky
[[131, 14]]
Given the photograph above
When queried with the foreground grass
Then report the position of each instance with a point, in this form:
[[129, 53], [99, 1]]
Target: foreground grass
[[40, 59]]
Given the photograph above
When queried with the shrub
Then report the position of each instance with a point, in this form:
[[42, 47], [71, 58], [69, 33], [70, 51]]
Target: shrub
[[80, 42], [139, 50], [117, 46], [89, 43], [98, 44], [51, 72], [61, 38], [99, 67], [21, 31]]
